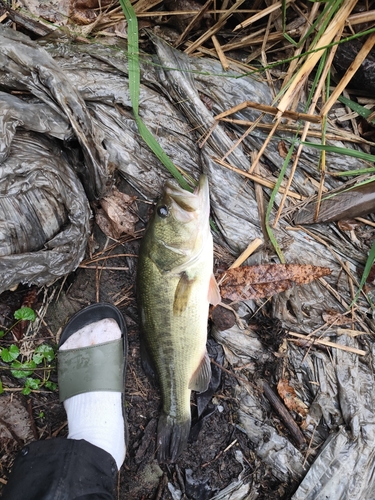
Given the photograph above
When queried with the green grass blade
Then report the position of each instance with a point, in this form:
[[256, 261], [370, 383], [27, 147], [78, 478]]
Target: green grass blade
[[354, 106], [369, 263], [348, 173], [342, 151], [134, 89]]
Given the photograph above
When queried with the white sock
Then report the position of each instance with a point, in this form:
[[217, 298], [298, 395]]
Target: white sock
[[97, 416]]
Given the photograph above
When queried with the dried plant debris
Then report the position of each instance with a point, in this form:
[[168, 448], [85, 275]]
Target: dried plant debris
[[290, 398], [265, 280], [116, 215]]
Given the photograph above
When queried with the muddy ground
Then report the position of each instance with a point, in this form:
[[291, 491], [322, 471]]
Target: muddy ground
[[211, 461]]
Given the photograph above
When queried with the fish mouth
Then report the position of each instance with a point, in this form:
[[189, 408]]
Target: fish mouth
[[187, 206]]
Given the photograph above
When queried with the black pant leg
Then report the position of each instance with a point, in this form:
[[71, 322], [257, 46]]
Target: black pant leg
[[62, 469]]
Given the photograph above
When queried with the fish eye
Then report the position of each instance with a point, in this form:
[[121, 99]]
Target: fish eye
[[163, 211]]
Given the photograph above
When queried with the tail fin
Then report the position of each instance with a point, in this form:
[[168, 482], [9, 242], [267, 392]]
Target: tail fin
[[172, 437]]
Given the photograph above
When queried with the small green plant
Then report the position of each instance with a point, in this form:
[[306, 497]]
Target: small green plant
[[25, 370]]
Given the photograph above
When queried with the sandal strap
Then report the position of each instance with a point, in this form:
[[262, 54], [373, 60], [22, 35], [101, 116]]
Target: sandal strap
[[98, 367]]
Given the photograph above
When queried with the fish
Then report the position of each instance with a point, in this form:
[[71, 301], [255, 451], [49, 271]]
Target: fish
[[175, 285]]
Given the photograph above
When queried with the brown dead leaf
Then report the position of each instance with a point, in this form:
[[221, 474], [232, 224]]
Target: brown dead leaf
[[282, 149], [336, 318], [290, 398], [115, 216], [265, 280], [86, 11], [348, 224]]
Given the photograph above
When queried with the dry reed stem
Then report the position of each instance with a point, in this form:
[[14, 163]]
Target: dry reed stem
[[361, 17], [175, 13], [143, 6], [220, 53], [257, 178], [214, 29], [334, 135], [258, 40], [260, 15], [269, 110], [326, 38], [327, 343], [293, 64], [212, 53], [365, 221], [198, 16], [266, 142], [350, 72], [105, 268], [317, 94], [243, 136], [254, 245]]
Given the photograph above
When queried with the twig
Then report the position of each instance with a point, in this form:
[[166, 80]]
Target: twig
[[309, 340], [284, 414], [59, 429], [265, 143], [243, 137], [32, 421]]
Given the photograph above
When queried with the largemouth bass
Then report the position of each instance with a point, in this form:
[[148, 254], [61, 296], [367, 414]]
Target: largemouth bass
[[175, 285]]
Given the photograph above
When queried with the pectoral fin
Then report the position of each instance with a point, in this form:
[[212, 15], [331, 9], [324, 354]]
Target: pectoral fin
[[182, 294], [214, 297], [201, 378]]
